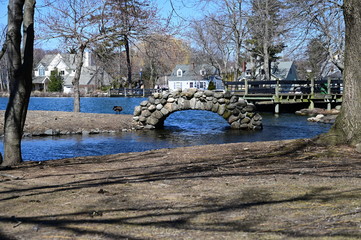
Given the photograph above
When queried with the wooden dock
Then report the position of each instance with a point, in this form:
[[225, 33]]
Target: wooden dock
[[279, 92]]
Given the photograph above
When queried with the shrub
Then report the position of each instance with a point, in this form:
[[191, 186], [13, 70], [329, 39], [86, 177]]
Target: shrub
[[55, 82], [211, 86]]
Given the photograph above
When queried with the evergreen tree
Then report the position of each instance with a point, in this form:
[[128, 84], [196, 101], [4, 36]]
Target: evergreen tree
[[56, 82], [267, 25], [317, 56], [211, 86]]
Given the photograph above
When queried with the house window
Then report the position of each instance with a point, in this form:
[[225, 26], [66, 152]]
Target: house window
[[41, 72], [61, 73], [177, 85], [191, 84], [179, 73], [202, 85]]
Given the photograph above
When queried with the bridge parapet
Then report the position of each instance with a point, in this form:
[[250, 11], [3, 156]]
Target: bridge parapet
[[235, 110]]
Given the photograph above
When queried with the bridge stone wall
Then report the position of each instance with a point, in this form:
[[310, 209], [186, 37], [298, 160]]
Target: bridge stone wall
[[236, 111]]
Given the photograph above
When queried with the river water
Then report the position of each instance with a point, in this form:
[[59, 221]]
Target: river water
[[184, 128]]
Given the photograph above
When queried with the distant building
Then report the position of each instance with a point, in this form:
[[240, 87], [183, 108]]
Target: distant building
[[194, 76], [279, 70], [329, 70], [91, 77]]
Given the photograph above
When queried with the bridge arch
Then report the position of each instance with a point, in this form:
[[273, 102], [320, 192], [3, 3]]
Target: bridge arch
[[236, 111]]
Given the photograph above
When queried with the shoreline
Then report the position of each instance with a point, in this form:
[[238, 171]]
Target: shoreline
[[53, 123]]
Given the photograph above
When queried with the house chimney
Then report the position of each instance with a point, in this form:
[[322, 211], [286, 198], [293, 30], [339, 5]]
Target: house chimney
[[244, 66], [87, 59]]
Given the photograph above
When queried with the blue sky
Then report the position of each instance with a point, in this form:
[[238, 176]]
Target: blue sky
[[3, 12], [185, 8]]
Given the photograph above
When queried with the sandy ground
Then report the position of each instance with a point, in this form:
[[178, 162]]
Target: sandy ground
[[38, 122], [265, 190]]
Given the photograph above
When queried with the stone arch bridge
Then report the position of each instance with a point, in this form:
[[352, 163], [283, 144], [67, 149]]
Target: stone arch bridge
[[236, 111]]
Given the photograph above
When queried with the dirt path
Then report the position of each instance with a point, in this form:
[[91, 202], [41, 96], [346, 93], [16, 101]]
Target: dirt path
[[265, 190]]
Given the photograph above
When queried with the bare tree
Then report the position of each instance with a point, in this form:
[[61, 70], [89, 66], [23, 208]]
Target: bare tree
[[158, 55], [79, 24], [3, 62], [214, 41], [234, 17], [3, 43], [322, 18], [130, 20], [20, 57], [227, 18]]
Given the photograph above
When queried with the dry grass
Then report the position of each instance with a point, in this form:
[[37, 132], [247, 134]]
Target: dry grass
[[265, 190]]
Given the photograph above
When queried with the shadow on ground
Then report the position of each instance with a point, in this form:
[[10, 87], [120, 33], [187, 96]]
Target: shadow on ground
[[292, 190]]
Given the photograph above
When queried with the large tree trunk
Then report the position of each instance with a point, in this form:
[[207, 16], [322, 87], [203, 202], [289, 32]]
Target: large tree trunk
[[79, 65], [347, 128], [20, 76]]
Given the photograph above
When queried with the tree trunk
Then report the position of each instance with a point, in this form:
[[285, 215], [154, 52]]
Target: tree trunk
[[266, 41], [347, 128], [266, 61], [3, 49], [79, 65], [238, 38], [20, 76], [237, 59], [129, 63]]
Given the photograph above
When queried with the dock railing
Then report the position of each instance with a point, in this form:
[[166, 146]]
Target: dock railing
[[247, 87], [289, 91], [132, 92]]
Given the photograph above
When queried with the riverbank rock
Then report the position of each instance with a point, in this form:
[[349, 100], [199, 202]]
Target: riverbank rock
[[236, 111], [320, 115], [323, 118], [317, 111]]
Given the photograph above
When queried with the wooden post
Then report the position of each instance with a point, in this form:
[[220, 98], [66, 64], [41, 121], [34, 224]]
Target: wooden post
[[277, 108], [277, 99], [329, 93], [125, 92], [312, 86], [143, 92], [312, 104], [246, 86], [328, 85]]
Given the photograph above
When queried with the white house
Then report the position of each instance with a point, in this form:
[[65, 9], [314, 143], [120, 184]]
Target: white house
[[194, 76], [91, 77], [279, 70]]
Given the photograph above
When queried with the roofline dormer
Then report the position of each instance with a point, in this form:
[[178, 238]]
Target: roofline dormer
[[179, 72]]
